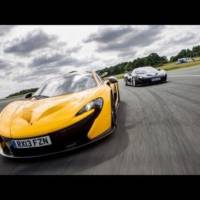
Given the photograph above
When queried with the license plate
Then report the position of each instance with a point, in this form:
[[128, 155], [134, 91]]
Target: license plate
[[155, 79], [31, 143]]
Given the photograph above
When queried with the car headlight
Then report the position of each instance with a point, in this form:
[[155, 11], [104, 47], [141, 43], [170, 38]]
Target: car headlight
[[96, 104], [139, 76]]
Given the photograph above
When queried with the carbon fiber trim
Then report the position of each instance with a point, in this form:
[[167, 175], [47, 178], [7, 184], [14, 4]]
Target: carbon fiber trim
[[66, 138]]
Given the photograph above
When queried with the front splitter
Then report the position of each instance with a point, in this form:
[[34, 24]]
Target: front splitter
[[67, 149]]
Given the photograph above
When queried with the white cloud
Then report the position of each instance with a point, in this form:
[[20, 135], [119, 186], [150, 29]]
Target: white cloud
[[31, 54]]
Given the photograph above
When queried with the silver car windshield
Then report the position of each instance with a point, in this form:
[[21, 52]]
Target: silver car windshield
[[140, 71], [145, 70]]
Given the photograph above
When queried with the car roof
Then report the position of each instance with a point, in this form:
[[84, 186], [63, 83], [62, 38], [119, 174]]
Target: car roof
[[145, 67], [76, 73], [72, 73]]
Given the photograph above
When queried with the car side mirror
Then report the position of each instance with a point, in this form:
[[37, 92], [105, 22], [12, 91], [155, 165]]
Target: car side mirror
[[29, 95], [159, 69], [107, 82], [112, 79]]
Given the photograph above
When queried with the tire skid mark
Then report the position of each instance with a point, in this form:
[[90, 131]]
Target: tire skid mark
[[142, 142], [187, 88], [136, 109], [151, 138], [174, 91], [194, 101], [184, 106], [185, 146], [169, 122], [186, 84]]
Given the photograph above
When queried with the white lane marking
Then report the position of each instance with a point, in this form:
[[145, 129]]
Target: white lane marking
[[189, 75]]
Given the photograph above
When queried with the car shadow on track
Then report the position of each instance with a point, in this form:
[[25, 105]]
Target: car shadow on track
[[79, 160], [148, 85]]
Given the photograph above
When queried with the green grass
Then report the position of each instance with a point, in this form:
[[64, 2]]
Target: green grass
[[119, 76], [172, 66]]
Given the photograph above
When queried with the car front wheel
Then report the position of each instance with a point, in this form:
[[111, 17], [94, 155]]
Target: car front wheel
[[134, 83], [113, 112], [165, 79], [125, 82]]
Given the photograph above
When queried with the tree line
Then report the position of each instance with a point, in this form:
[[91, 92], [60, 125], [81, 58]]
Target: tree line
[[22, 92], [151, 60], [194, 52]]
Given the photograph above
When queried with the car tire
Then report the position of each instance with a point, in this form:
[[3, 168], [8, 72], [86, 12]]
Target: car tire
[[117, 93], [165, 79], [125, 82], [134, 83], [119, 99], [113, 112]]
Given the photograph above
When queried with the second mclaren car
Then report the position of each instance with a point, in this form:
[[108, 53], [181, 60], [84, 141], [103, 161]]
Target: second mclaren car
[[65, 113], [145, 75]]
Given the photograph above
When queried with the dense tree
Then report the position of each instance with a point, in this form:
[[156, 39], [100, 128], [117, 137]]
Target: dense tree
[[172, 59], [153, 60], [22, 92], [186, 53], [196, 51]]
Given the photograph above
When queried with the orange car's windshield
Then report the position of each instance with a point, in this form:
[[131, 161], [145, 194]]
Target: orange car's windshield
[[66, 84]]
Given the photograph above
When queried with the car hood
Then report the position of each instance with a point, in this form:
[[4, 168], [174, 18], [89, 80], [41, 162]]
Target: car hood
[[153, 74], [29, 118]]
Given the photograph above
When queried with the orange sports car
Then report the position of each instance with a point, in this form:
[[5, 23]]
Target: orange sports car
[[65, 113]]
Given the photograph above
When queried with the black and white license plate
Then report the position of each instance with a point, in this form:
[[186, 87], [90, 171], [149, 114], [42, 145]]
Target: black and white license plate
[[31, 143], [155, 79]]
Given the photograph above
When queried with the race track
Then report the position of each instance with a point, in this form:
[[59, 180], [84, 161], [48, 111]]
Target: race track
[[158, 133]]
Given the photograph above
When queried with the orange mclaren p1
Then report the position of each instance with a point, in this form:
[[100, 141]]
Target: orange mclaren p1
[[66, 112]]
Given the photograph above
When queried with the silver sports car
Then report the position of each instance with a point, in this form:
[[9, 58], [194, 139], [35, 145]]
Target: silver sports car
[[145, 75]]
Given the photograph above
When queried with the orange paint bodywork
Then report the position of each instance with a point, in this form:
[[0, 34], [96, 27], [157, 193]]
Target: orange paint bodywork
[[33, 118]]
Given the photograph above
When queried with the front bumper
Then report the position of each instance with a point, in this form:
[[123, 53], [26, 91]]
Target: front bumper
[[148, 80], [67, 139]]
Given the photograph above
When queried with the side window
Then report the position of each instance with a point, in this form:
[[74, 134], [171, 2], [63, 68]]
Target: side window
[[90, 82], [99, 78]]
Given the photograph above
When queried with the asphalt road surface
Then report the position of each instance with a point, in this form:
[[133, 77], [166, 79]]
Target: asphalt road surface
[[158, 133]]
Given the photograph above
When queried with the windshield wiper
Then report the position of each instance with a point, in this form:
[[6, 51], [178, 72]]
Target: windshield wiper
[[40, 96]]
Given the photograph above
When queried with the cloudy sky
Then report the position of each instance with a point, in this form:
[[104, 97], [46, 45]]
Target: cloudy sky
[[31, 54]]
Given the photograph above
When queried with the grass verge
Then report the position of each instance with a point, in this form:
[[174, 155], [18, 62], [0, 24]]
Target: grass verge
[[171, 66]]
